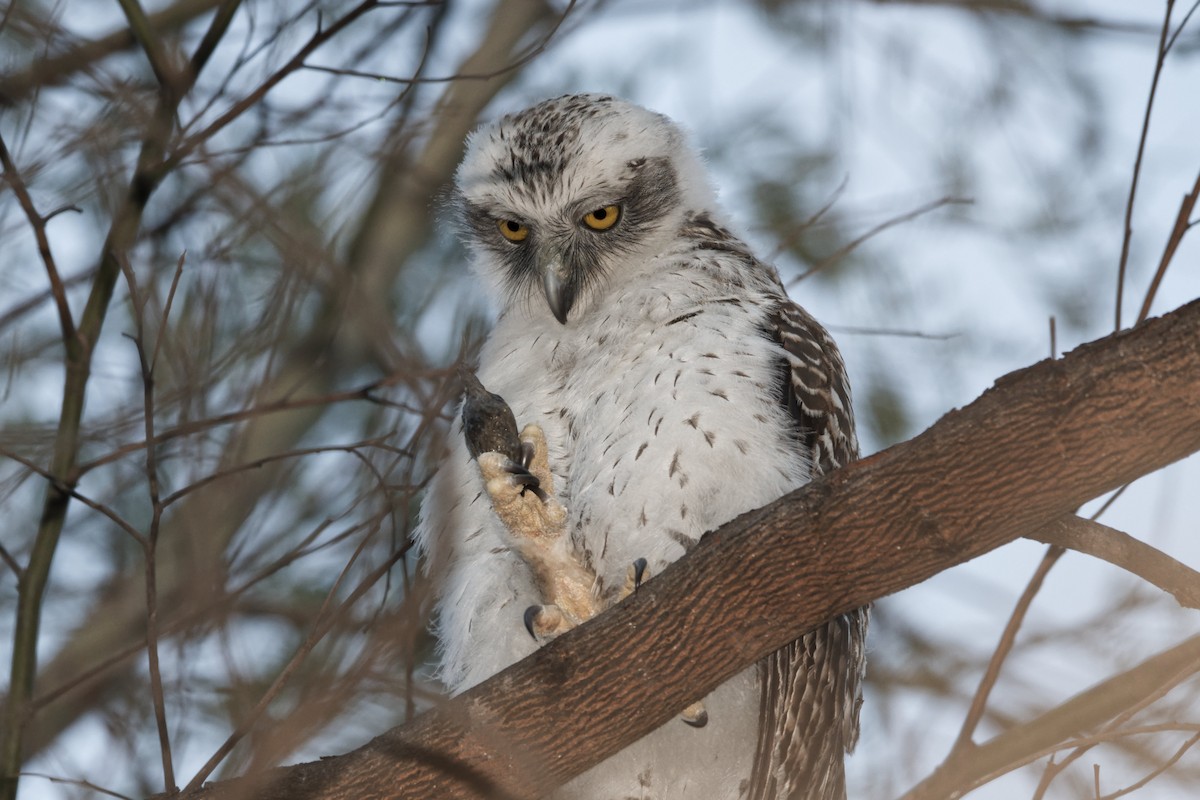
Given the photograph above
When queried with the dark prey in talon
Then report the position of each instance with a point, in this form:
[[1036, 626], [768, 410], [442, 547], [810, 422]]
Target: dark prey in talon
[[488, 423], [490, 427]]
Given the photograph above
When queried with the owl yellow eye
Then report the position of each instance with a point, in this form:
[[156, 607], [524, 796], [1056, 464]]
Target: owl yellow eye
[[602, 218], [513, 231]]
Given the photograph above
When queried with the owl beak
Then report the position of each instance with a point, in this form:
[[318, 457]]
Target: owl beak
[[559, 289]]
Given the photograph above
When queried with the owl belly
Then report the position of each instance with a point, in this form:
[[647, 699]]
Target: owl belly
[[680, 437]]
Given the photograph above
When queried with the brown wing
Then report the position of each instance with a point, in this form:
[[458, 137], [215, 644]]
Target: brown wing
[[812, 688]]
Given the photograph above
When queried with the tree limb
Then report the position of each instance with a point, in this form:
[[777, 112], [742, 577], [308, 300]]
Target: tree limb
[[1130, 554], [1038, 444]]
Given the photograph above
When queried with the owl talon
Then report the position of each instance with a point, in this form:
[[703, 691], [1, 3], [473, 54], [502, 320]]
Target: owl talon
[[527, 481], [695, 715], [639, 572], [546, 622], [635, 576]]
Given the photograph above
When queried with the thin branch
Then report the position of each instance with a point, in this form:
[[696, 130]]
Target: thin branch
[[1130, 554], [78, 782], [979, 702], [54, 70], [174, 497], [74, 494], [1183, 24], [1159, 770], [29, 304], [1177, 232], [853, 245], [363, 393], [162, 323], [1059, 728], [150, 543], [855, 330], [796, 231], [38, 223], [151, 45], [318, 38], [321, 626], [10, 562], [1137, 162]]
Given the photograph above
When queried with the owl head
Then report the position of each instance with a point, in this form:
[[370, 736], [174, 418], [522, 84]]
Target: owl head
[[565, 198]]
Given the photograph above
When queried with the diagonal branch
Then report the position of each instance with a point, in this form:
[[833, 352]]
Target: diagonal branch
[[56, 69], [1031, 449], [1122, 550], [1062, 725]]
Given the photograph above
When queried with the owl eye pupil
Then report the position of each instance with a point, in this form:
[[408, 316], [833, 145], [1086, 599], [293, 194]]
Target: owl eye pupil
[[602, 219], [512, 226]]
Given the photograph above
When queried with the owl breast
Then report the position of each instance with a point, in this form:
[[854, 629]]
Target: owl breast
[[664, 421]]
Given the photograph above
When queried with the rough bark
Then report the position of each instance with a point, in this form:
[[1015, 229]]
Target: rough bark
[[1042, 441]]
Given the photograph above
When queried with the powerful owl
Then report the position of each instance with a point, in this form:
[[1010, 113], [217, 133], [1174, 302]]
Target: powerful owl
[[665, 384]]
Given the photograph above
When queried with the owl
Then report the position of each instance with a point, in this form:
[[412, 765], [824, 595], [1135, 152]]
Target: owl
[[665, 384]]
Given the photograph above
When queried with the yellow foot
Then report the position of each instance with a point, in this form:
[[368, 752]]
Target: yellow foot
[[523, 497]]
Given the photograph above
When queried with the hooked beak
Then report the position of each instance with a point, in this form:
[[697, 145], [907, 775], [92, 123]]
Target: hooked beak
[[559, 289]]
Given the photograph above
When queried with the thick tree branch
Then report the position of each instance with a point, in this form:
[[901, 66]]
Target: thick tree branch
[[1031, 449]]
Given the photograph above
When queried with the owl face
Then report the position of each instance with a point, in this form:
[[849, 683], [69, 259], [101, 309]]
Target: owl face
[[572, 194]]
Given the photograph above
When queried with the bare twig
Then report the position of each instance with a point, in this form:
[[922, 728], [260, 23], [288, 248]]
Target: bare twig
[[320, 627], [1060, 727], [250, 100], [38, 223], [979, 702], [1157, 771], [91, 787], [1182, 24], [150, 542], [1122, 550], [151, 45], [796, 231], [367, 393], [855, 330], [55, 69], [1180, 228], [853, 245], [1127, 238], [10, 562]]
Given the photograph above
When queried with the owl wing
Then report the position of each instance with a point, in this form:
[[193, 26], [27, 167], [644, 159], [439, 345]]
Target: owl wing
[[811, 689]]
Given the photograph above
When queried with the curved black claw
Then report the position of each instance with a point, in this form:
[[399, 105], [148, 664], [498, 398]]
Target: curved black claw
[[526, 454], [530, 615], [526, 480], [699, 721], [639, 570]]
